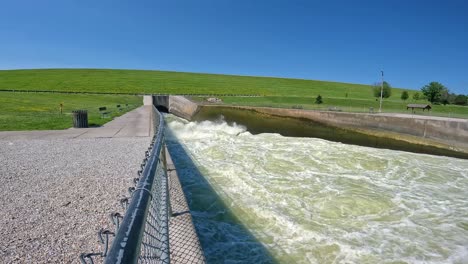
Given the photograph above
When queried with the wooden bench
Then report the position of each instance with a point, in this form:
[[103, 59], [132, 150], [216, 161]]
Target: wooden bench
[[104, 112]]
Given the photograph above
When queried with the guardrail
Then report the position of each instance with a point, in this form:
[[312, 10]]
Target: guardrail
[[142, 234]]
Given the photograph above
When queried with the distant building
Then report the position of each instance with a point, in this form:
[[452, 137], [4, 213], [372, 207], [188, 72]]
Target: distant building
[[418, 106]]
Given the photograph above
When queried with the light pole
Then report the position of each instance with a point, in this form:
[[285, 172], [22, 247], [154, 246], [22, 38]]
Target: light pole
[[381, 93]]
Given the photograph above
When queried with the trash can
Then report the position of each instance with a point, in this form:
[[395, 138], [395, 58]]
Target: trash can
[[80, 118]]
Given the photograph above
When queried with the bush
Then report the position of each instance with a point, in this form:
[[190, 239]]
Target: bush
[[404, 95], [387, 90], [318, 100]]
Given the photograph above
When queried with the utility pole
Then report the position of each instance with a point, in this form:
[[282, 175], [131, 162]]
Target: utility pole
[[381, 93]]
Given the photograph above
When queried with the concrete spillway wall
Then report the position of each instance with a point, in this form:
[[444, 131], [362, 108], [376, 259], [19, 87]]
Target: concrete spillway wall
[[177, 105], [183, 107], [452, 131]]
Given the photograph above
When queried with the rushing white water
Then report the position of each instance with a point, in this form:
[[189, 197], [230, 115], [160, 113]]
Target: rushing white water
[[308, 200]]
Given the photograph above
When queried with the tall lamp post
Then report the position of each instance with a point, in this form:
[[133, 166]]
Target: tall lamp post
[[381, 93]]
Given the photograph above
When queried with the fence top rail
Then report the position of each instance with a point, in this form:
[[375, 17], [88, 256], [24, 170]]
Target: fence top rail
[[127, 242]]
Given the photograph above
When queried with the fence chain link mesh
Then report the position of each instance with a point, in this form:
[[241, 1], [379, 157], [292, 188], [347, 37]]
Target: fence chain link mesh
[[142, 231], [154, 246]]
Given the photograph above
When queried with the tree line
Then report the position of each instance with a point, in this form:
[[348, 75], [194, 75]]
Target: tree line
[[434, 92]]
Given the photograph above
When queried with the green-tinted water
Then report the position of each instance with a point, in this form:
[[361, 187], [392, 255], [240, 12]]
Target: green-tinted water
[[309, 200]]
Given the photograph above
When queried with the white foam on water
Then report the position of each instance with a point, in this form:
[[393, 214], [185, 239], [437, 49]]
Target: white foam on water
[[310, 200]]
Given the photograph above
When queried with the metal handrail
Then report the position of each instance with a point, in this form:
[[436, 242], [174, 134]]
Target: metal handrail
[[148, 211]]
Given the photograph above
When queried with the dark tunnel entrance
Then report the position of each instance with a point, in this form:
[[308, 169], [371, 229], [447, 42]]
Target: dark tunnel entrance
[[161, 102], [162, 109]]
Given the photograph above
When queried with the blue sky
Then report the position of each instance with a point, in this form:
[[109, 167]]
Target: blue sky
[[414, 42]]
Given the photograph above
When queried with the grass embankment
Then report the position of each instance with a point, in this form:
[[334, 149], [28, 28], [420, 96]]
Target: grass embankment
[[272, 92], [39, 111], [345, 104], [134, 81]]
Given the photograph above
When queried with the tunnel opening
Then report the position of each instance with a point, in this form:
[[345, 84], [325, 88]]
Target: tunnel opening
[[162, 108], [161, 102]]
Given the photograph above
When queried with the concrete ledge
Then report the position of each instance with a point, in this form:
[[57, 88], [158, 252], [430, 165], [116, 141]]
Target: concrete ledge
[[147, 100]]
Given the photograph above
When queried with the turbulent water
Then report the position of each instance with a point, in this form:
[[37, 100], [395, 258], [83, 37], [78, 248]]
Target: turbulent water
[[268, 198]]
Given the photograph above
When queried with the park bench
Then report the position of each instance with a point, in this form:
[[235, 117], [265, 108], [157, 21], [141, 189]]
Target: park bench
[[104, 112]]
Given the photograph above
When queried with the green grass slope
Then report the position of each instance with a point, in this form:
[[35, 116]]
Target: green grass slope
[[273, 92], [137, 81], [39, 111]]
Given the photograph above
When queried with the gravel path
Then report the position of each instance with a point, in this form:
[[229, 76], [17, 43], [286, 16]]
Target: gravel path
[[56, 194]]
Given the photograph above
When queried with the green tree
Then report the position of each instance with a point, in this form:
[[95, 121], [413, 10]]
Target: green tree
[[461, 99], [404, 95], [387, 90], [433, 91], [318, 100], [444, 96], [451, 98], [416, 96]]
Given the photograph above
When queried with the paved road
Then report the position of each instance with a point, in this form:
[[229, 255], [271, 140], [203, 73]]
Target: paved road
[[135, 123]]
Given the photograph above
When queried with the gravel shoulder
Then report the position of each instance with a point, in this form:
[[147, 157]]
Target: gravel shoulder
[[57, 194]]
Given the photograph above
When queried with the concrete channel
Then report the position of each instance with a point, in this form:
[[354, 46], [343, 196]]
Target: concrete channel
[[450, 134]]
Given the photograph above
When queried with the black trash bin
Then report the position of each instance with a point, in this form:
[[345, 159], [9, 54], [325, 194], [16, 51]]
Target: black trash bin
[[80, 118]]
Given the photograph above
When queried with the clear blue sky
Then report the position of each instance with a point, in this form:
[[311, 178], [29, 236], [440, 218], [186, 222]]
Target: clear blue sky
[[413, 41]]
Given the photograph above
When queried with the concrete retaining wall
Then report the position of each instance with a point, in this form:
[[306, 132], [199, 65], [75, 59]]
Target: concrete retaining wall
[[177, 105], [445, 129], [183, 107]]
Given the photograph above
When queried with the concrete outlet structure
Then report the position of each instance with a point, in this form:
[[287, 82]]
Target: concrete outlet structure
[[177, 105]]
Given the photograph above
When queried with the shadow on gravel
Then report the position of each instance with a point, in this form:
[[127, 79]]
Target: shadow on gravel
[[223, 237]]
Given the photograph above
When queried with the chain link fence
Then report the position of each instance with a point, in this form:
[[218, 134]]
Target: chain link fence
[[142, 233]]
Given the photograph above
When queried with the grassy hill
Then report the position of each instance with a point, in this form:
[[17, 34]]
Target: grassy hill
[[136, 81], [37, 111], [273, 92]]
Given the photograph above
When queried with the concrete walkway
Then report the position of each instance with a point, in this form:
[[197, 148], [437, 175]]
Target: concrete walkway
[[423, 117], [135, 123]]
